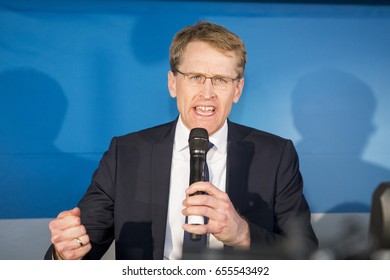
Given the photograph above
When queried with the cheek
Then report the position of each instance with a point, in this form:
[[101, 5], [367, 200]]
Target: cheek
[[184, 99], [228, 102], [182, 103]]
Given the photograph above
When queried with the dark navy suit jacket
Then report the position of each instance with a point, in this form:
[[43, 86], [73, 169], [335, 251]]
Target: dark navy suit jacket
[[127, 200]]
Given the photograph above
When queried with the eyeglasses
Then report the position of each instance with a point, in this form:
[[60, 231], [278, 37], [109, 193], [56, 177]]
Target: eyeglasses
[[218, 82]]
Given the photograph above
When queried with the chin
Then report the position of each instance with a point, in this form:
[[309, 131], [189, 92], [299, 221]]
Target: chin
[[210, 130]]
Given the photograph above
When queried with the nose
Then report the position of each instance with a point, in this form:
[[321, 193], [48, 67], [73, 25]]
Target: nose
[[208, 89]]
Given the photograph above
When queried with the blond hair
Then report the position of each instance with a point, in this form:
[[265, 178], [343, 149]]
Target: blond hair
[[217, 36]]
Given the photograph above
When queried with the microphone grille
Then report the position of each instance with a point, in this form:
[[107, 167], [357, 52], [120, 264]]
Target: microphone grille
[[198, 139]]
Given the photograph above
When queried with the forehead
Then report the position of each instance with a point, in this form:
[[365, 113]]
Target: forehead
[[203, 58]]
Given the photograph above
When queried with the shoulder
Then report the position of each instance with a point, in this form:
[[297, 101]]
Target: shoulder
[[159, 133], [262, 144], [242, 133]]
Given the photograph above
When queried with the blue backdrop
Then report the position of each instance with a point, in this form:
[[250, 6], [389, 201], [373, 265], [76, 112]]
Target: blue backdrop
[[73, 74]]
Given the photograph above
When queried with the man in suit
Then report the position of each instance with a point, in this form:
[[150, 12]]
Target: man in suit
[[139, 195]]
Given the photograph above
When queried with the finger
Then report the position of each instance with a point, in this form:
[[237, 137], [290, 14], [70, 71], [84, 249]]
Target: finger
[[72, 250], [72, 243], [197, 229], [207, 187], [220, 205], [66, 235], [204, 211], [82, 251], [75, 232], [66, 222], [199, 199], [75, 242], [83, 240], [212, 228]]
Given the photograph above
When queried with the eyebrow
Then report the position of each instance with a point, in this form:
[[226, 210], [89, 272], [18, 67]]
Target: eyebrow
[[203, 74]]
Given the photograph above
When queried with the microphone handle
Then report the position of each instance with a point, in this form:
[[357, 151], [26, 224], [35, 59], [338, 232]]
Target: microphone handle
[[197, 173]]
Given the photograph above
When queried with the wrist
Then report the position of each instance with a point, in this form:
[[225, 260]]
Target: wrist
[[245, 239], [56, 256]]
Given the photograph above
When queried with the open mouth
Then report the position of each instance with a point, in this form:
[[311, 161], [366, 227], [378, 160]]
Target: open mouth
[[205, 110]]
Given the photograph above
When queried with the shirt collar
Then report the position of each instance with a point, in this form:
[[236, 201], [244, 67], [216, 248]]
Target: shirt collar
[[219, 138], [181, 136]]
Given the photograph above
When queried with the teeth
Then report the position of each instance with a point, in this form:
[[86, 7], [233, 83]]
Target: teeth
[[203, 108]]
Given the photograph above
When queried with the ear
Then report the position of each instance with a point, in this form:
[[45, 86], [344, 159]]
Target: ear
[[238, 90], [172, 84]]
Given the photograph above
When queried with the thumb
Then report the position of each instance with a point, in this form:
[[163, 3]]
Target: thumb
[[73, 212]]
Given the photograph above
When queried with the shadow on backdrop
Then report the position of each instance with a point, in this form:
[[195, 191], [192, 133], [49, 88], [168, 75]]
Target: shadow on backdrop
[[333, 111], [37, 180], [153, 33]]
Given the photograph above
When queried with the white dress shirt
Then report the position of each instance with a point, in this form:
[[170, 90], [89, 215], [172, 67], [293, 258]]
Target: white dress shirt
[[180, 174]]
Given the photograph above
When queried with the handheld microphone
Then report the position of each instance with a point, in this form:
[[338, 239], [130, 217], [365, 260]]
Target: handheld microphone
[[198, 142]]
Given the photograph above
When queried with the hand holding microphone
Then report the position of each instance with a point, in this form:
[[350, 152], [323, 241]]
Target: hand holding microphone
[[198, 143], [223, 221]]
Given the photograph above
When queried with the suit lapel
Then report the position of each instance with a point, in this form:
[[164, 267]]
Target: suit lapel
[[238, 161], [160, 182]]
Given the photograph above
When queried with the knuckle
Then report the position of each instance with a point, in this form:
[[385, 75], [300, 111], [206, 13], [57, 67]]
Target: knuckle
[[53, 225], [55, 238], [83, 230], [76, 220], [207, 199], [86, 249], [207, 212], [225, 206], [60, 248], [225, 196], [224, 219], [219, 228], [202, 211]]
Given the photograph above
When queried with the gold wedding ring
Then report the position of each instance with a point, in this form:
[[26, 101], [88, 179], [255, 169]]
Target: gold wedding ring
[[80, 242]]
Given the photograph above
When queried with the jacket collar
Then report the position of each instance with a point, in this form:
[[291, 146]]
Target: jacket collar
[[239, 157], [160, 182]]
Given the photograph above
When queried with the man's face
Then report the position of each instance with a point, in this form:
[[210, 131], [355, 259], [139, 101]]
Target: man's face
[[203, 105]]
